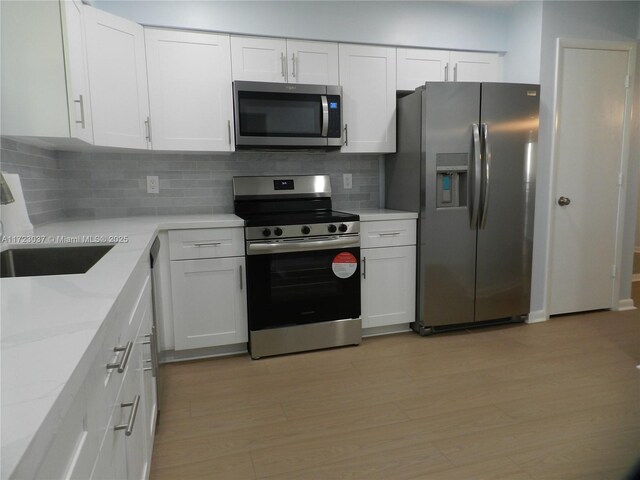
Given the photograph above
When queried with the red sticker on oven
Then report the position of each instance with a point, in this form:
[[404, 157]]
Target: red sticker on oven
[[344, 265]]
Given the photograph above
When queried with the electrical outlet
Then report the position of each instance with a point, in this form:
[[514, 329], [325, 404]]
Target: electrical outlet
[[347, 179], [153, 184]]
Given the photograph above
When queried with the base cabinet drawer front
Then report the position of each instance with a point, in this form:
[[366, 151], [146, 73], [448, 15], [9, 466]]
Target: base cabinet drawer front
[[206, 243], [387, 233], [122, 453], [388, 286], [209, 302]]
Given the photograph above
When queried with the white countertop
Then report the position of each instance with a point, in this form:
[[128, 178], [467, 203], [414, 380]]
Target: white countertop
[[49, 324], [370, 215]]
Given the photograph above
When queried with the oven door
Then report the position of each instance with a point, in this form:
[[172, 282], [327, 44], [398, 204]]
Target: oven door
[[303, 287], [275, 114]]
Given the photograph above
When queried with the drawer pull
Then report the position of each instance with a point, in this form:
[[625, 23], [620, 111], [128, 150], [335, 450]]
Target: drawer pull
[[364, 267], [207, 244], [128, 427], [392, 234], [122, 364]]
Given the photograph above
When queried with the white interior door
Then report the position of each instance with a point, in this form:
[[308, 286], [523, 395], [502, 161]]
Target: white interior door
[[592, 113]]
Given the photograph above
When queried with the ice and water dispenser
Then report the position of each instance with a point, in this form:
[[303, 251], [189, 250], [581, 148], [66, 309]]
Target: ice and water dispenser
[[451, 181]]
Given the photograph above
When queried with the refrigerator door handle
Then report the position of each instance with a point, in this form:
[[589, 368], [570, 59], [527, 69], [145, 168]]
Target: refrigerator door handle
[[487, 171], [477, 174]]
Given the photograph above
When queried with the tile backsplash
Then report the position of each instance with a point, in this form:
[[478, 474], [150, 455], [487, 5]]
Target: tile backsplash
[[40, 178], [100, 185]]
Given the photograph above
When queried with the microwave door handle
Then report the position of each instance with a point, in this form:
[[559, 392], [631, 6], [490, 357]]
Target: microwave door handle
[[325, 115]]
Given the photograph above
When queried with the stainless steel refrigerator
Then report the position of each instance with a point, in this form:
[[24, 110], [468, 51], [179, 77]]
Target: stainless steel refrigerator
[[465, 161]]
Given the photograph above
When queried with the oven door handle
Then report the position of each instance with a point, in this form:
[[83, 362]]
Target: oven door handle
[[262, 248]]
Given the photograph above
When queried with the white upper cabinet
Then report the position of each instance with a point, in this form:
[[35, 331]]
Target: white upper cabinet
[[118, 76], [419, 65], [190, 94], [476, 67], [368, 79], [312, 62], [259, 59], [263, 59], [45, 87]]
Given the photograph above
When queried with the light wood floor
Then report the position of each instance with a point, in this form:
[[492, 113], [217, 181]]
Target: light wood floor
[[555, 400]]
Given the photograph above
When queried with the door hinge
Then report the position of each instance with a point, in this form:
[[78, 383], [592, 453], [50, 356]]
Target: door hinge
[[627, 81], [613, 271], [620, 179]]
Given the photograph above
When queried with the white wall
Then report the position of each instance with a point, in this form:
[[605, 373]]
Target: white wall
[[450, 25], [524, 40], [601, 20]]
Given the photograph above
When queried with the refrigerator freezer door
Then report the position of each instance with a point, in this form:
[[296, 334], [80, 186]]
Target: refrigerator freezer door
[[505, 234], [447, 240]]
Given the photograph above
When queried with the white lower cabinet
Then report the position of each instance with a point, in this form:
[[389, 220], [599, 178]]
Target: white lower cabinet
[[208, 287], [388, 258], [209, 307]]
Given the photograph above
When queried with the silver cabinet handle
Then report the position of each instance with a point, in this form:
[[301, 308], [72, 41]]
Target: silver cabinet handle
[[446, 72], [153, 348], [147, 122], [564, 201], [325, 115], [128, 427], [364, 267], [455, 72], [241, 285], [346, 135], [122, 364], [229, 130], [487, 170], [390, 234], [283, 62], [293, 65], [207, 244], [81, 102]]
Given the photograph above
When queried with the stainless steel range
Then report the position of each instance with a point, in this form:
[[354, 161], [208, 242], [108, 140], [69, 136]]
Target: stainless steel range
[[303, 265]]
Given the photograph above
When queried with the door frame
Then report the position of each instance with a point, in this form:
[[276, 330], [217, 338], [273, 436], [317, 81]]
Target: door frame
[[630, 48]]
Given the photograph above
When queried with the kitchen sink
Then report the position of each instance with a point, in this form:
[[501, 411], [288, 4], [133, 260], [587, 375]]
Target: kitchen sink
[[38, 261]]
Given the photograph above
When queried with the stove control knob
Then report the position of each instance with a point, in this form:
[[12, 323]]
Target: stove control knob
[[332, 228], [343, 228], [278, 231], [266, 232], [306, 230]]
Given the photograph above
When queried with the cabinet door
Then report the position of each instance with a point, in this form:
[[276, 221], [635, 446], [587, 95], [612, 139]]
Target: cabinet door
[[368, 79], [312, 62], [190, 96], [388, 286], [148, 380], [136, 444], [209, 306], [259, 59], [118, 76], [77, 72], [476, 67], [417, 66]]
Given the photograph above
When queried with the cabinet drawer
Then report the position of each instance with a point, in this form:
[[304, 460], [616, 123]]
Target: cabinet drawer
[[387, 233], [206, 243]]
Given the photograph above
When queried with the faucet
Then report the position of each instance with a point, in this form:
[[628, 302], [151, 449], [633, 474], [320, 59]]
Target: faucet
[[5, 197]]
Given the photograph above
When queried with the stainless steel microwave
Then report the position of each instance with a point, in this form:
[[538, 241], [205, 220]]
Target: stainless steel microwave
[[274, 115]]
